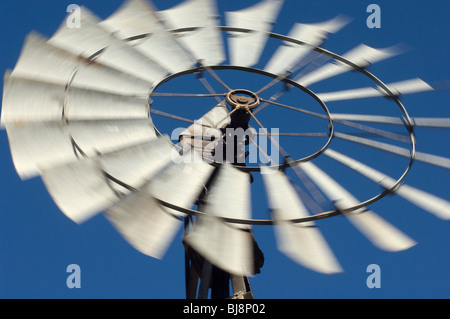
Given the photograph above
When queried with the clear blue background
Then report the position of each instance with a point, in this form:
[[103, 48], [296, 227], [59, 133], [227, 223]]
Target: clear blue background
[[37, 242]]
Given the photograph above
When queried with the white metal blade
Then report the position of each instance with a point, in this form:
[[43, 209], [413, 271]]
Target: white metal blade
[[397, 88], [40, 146], [226, 245], [436, 160], [301, 242], [147, 225], [203, 135], [361, 56], [45, 101], [368, 118], [381, 233], [205, 42], [246, 48], [42, 61], [82, 188], [136, 23], [93, 40], [312, 35], [431, 122], [416, 121], [431, 203]]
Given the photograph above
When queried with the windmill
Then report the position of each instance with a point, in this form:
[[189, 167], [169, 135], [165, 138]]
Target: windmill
[[86, 126]]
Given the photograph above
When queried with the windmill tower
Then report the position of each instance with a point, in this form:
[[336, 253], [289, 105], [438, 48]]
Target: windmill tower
[[88, 125]]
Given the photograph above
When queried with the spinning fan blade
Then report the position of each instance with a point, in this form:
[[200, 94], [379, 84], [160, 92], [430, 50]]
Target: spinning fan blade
[[201, 36], [137, 23], [361, 57], [416, 121], [312, 35], [423, 157], [41, 61], [44, 102], [301, 242], [144, 222], [397, 88], [94, 42], [431, 203], [382, 234], [201, 135], [36, 147], [85, 187], [246, 48], [226, 245]]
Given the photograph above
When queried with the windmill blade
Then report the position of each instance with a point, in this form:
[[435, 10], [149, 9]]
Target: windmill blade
[[86, 187], [431, 122], [202, 37], [143, 222], [419, 156], [226, 245], [41, 61], [288, 55], [431, 203], [39, 146], [46, 102], [397, 88], [416, 121], [361, 57], [246, 48], [137, 23], [301, 242], [377, 230], [94, 42], [203, 135]]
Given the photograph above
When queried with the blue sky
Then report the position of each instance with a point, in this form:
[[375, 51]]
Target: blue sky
[[37, 242]]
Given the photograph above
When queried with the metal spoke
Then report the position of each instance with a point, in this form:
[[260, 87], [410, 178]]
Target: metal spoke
[[395, 136], [187, 95], [297, 134], [171, 116], [273, 82], [217, 78], [320, 199], [274, 97]]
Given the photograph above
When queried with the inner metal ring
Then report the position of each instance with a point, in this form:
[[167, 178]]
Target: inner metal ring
[[249, 94]]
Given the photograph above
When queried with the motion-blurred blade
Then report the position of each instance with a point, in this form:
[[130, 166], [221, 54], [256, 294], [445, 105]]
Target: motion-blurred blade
[[202, 37], [41, 61], [203, 135], [377, 230], [136, 23], [361, 57], [302, 242], [144, 222], [44, 102], [226, 245], [246, 48], [436, 160], [93, 41], [416, 121], [431, 203], [36, 147], [397, 88], [86, 187], [288, 55]]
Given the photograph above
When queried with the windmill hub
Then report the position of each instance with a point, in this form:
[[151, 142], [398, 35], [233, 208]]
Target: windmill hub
[[242, 99]]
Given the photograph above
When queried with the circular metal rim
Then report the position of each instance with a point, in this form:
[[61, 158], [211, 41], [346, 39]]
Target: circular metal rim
[[261, 72], [408, 123]]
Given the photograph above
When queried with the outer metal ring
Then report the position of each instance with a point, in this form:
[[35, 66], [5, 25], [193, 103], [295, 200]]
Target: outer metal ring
[[408, 123]]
